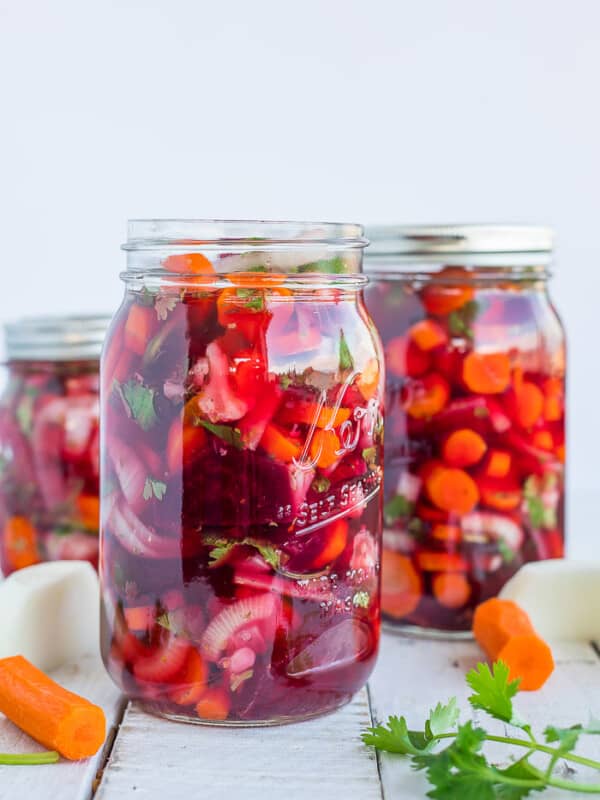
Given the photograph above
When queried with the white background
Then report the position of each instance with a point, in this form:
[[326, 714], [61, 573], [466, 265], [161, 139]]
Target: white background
[[405, 110]]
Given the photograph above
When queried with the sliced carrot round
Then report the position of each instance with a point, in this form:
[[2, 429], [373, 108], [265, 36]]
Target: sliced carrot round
[[278, 445], [214, 705], [451, 589], [446, 533], [427, 396], [501, 494], [453, 490], [190, 683], [529, 402], [402, 586], [428, 334], [445, 292], [189, 264], [334, 544], [486, 373], [436, 561], [463, 448]]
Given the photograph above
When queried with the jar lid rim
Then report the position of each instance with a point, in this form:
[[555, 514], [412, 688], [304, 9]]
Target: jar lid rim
[[76, 337], [186, 234], [459, 239]]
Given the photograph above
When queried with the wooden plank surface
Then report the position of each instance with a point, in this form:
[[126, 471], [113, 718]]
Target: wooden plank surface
[[65, 780], [153, 760], [413, 675]]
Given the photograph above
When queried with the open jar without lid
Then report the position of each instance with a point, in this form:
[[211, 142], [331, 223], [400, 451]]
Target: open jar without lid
[[242, 434], [49, 440], [475, 424]]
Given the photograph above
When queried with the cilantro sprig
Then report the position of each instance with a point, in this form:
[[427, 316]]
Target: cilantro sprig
[[461, 771]]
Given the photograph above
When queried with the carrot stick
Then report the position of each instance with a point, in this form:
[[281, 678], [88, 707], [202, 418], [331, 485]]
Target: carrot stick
[[529, 402], [305, 411], [368, 380], [505, 633], [58, 719], [452, 490], [278, 445], [498, 464], [138, 328], [20, 543], [336, 537], [463, 448], [324, 448], [445, 292], [402, 586], [214, 704], [451, 589], [191, 681], [486, 373], [428, 335]]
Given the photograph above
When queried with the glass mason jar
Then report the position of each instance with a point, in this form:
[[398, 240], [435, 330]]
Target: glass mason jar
[[475, 424], [49, 441], [242, 403]]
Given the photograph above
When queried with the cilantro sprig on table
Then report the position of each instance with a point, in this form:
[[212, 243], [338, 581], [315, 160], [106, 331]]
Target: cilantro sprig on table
[[461, 771]]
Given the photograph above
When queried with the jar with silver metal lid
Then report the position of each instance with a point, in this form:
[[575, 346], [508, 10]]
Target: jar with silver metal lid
[[475, 414], [49, 440]]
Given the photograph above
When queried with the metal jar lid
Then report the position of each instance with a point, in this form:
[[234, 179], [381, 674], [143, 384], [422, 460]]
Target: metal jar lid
[[524, 242], [48, 338]]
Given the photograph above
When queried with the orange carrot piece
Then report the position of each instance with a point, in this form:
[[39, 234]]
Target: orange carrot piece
[[505, 633], [324, 448], [560, 453], [278, 445], [543, 439], [446, 533], [486, 373], [88, 507], [20, 543], [402, 586], [553, 399], [427, 396], [189, 264], [368, 380], [500, 494], [434, 561], [452, 490], [428, 335], [445, 292], [336, 537], [451, 589], [498, 464], [140, 618], [463, 448], [191, 681], [214, 704], [308, 413], [54, 717], [138, 328], [529, 402], [260, 280]]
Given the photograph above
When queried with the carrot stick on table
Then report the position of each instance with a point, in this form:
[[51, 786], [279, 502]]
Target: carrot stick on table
[[53, 716], [505, 633]]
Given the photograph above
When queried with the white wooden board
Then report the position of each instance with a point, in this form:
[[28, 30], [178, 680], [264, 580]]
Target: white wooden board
[[65, 780]]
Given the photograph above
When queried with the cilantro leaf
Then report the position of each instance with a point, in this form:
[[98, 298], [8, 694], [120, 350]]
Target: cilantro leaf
[[154, 488], [320, 484], [255, 300], [361, 600], [229, 435], [221, 547], [397, 507], [139, 402], [493, 691], [460, 321], [521, 770], [507, 553], [442, 718], [335, 265], [163, 304], [396, 738], [346, 360], [535, 508]]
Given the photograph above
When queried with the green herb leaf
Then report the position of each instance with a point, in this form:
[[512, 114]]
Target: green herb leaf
[[221, 547], [507, 553], [535, 509], [346, 360], [154, 488], [139, 402], [24, 411], [442, 718], [460, 321], [521, 770], [481, 412], [369, 455], [229, 435], [396, 738], [255, 300], [335, 265], [361, 600], [285, 381], [493, 692], [397, 507], [163, 304], [320, 484]]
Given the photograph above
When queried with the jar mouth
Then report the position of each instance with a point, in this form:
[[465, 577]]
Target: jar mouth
[[187, 235], [478, 244], [310, 282], [56, 338]]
